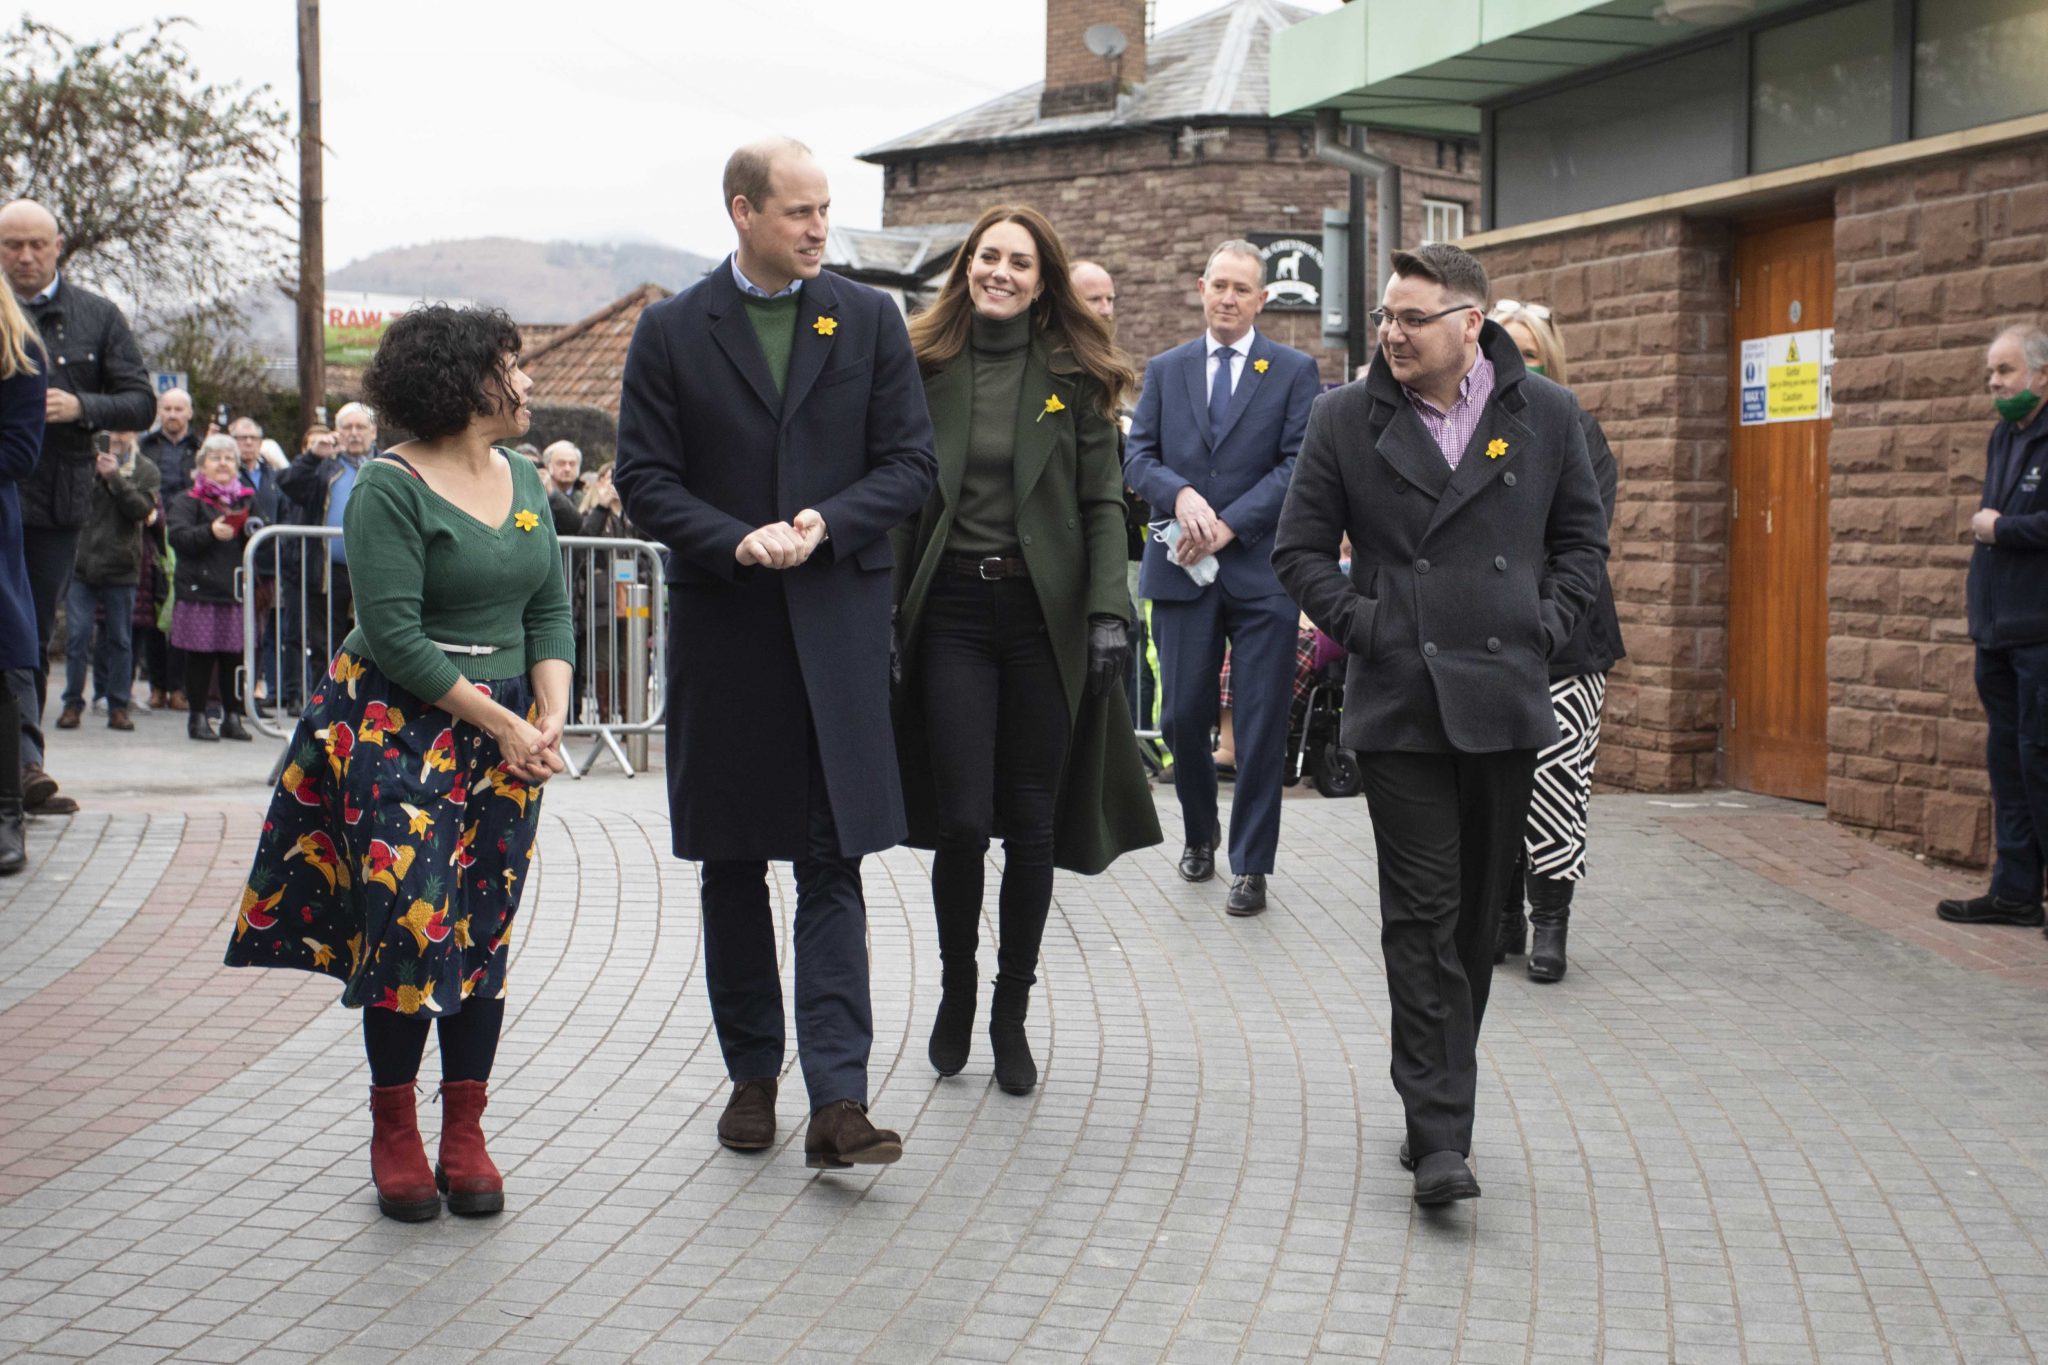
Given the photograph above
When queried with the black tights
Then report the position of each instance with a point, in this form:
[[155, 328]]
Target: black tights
[[469, 1042], [199, 672]]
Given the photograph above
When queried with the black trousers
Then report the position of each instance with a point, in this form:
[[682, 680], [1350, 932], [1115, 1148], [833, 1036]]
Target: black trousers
[[835, 1027], [330, 615], [50, 554], [2013, 685], [1446, 827], [997, 727]]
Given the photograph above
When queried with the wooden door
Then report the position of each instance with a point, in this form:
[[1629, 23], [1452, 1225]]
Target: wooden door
[[1777, 716]]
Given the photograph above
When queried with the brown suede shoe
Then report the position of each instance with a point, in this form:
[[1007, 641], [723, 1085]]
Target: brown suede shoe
[[117, 718], [748, 1123], [70, 718], [841, 1136]]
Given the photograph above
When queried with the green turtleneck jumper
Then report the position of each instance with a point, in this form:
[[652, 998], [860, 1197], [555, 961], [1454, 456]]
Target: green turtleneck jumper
[[775, 328], [985, 522]]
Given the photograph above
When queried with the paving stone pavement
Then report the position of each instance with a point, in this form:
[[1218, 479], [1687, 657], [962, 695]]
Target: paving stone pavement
[[1775, 1113]]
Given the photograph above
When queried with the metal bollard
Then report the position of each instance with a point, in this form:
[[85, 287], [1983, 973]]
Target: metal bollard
[[637, 610]]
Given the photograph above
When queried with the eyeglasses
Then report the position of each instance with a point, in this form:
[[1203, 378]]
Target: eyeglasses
[[1409, 322], [1507, 308]]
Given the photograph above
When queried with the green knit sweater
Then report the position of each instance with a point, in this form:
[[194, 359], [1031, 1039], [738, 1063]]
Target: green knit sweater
[[775, 328], [426, 573]]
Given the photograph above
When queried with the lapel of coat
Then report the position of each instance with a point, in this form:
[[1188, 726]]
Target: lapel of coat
[[734, 333], [950, 395], [1196, 367], [812, 346], [1407, 445], [1038, 430], [1248, 380], [1499, 430]]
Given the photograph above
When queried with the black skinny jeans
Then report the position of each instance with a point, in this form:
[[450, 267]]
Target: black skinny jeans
[[997, 727]]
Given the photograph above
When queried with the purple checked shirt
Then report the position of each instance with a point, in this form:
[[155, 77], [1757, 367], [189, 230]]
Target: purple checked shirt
[[1453, 430]]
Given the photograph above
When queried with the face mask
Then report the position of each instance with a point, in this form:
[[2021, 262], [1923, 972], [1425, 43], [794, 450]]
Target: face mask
[[1535, 368], [2016, 407]]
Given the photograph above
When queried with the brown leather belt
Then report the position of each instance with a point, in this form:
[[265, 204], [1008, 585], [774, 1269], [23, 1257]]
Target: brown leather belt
[[990, 569]]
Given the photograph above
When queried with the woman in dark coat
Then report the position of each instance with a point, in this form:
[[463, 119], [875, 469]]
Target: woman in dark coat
[[1015, 619], [1554, 851], [209, 524], [23, 384]]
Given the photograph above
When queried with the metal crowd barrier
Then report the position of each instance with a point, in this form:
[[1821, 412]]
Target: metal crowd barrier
[[293, 620]]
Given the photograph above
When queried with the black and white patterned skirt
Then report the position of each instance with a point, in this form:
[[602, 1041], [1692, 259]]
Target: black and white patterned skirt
[[1563, 794]]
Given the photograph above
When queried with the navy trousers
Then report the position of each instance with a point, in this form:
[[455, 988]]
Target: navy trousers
[[834, 1021], [2013, 685], [1447, 828], [1261, 634]]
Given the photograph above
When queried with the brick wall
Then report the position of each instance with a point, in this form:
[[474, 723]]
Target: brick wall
[[1644, 311], [1930, 263], [1150, 204]]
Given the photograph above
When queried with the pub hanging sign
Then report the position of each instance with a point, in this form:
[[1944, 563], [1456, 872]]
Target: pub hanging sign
[[1294, 270]]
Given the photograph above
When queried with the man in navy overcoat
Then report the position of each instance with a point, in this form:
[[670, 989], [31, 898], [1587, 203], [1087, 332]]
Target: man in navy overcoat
[[772, 430], [1212, 445]]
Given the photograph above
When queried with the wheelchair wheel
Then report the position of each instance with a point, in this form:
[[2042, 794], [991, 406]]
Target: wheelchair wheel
[[1337, 773]]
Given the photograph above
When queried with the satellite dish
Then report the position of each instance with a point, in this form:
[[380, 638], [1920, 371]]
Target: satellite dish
[[1105, 40]]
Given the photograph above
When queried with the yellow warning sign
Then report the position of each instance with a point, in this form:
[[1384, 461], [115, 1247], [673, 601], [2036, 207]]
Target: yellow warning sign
[[1793, 384]]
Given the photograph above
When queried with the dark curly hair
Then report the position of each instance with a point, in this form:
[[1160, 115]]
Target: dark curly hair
[[439, 367]]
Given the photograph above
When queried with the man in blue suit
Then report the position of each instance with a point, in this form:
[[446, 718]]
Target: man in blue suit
[[1213, 443], [772, 429]]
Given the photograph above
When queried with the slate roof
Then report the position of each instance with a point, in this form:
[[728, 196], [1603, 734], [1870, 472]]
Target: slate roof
[[1207, 68], [582, 363], [898, 253]]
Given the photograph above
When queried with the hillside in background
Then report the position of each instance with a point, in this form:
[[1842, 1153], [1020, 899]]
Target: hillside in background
[[557, 282]]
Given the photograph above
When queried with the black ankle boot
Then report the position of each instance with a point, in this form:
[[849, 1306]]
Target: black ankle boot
[[1016, 1072], [231, 727], [1514, 934], [953, 1030], [1550, 912], [197, 726], [13, 839]]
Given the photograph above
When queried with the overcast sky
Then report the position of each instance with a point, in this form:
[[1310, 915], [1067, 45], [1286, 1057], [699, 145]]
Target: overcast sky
[[600, 119]]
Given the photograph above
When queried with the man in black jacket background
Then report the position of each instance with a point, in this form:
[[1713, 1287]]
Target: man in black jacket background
[[1478, 538], [97, 383], [2008, 597]]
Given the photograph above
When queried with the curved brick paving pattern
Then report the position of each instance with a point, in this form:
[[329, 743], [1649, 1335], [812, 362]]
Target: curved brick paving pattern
[[1775, 1113]]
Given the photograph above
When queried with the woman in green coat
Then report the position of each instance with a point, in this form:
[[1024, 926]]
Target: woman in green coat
[[1015, 619]]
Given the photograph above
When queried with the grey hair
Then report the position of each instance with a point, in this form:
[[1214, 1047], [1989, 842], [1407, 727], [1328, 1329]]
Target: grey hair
[[2033, 344], [363, 408], [218, 441], [1236, 246]]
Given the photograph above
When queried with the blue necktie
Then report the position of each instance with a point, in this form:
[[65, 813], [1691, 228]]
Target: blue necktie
[[1219, 392]]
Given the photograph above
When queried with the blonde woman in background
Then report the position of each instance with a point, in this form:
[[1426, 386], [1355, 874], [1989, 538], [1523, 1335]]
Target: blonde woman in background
[[24, 385], [1554, 850]]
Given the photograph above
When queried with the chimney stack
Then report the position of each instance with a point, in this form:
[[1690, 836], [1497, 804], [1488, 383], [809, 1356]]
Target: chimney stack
[[1078, 80]]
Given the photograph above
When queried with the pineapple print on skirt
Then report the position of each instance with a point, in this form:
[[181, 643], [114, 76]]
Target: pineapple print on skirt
[[394, 851]]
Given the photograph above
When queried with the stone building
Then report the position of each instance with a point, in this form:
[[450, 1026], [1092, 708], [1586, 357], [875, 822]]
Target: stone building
[[1777, 247], [1144, 161]]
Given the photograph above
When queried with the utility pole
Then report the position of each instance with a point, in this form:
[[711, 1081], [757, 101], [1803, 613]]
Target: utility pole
[[312, 233]]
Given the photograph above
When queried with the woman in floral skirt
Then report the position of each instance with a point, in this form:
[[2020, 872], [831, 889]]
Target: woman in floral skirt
[[398, 840], [209, 527]]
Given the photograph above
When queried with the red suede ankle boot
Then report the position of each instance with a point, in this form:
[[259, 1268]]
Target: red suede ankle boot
[[398, 1159], [464, 1172]]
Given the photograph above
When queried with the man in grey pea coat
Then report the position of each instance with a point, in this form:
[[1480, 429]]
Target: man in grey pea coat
[[1477, 537]]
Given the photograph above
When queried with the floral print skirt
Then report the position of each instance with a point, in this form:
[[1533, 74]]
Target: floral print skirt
[[394, 850]]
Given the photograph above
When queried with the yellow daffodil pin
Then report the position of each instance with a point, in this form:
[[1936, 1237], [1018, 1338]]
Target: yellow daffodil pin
[[526, 520], [1496, 448], [1260, 366], [825, 327], [1052, 405]]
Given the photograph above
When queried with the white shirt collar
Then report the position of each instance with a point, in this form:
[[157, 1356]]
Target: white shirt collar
[[48, 292], [1243, 345]]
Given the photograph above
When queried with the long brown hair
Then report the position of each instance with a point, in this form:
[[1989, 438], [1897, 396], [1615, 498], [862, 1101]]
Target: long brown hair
[[940, 332]]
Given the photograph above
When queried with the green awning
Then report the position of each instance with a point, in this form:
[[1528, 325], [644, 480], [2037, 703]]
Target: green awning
[[1428, 67]]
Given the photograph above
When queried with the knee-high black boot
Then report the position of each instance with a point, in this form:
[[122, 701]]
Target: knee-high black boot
[[1514, 930], [956, 900], [1550, 912]]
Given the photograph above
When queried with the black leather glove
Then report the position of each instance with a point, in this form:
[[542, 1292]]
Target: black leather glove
[[1109, 644], [895, 649]]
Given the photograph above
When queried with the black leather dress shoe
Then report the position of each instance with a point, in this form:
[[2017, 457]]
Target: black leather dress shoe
[[1444, 1178], [1197, 862], [1990, 909], [1247, 895]]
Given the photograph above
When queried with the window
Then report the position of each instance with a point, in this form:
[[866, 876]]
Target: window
[[1443, 220], [1821, 86], [1977, 62]]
